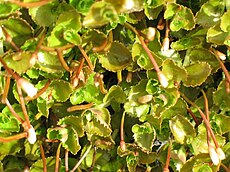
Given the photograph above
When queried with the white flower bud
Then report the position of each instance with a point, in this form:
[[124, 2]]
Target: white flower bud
[[151, 33], [213, 155], [221, 55], [27, 87], [163, 80], [221, 154], [165, 45], [31, 135]]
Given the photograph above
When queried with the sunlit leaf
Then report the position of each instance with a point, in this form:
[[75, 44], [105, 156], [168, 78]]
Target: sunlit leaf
[[144, 135], [82, 6], [19, 62], [38, 165], [197, 73], [224, 24], [115, 93], [181, 128], [117, 58], [100, 14]]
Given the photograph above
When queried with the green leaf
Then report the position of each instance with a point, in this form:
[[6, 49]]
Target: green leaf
[[221, 98], [222, 122], [74, 122], [8, 124], [173, 72], [186, 43], [132, 162], [18, 29], [199, 143], [97, 122], [44, 15], [9, 148], [7, 8], [48, 62], [144, 136], [171, 10], [200, 160], [100, 14], [183, 19], [19, 62], [117, 58], [204, 55], [197, 73], [181, 128], [50, 162], [67, 26], [60, 94], [115, 93], [224, 24], [82, 6], [210, 13], [217, 36]]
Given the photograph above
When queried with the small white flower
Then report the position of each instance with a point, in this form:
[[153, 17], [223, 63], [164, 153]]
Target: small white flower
[[221, 55], [163, 80], [31, 135], [221, 154], [213, 155], [27, 87]]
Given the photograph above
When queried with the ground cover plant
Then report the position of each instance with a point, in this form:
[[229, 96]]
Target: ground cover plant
[[102, 85]]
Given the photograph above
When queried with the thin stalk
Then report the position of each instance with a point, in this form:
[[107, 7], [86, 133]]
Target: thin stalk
[[129, 26], [75, 77], [101, 47], [9, 39], [82, 158], [62, 60], [86, 58], [94, 158], [43, 158], [79, 107], [129, 77], [207, 115], [225, 167], [22, 103], [9, 71], [204, 118], [222, 66], [6, 89], [101, 84], [14, 137], [13, 111], [166, 168], [57, 158], [66, 160], [50, 49], [227, 86], [119, 76], [40, 92], [163, 80], [29, 4], [122, 140], [193, 116], [39, 45]]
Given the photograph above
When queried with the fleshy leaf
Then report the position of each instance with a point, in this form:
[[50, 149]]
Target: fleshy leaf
[[144, 135], [67, 21], [8, 124], [181, 128], [117, 58], [199, 160], [173, 72], [222, 122], [217, 36], [82, 6], [9, 148], [204, 55], [100, 14], [197, 73], [171, 10], [220, 98], [210, 13], [59, 93], [48, 62], [224, 24], [97, 122], [183, 19], [199, 143], [45, 15], [7, 8], [115, 93], [132, 162], [18, 29], [19, 62], [74, 122], [72, 36]]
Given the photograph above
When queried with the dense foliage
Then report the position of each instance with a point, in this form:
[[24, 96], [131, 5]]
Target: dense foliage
[[126, 85]]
